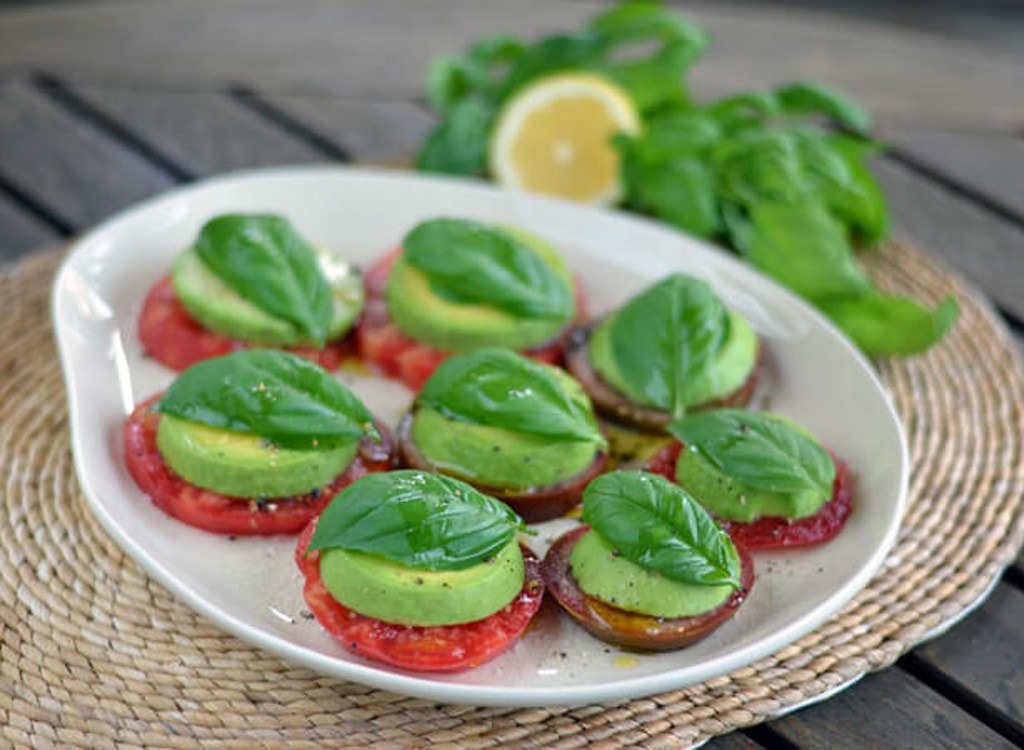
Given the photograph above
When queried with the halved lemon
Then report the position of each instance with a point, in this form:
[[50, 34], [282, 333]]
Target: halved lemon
[[554, 137]]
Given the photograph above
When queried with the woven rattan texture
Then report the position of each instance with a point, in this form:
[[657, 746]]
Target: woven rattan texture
[[95, 654]]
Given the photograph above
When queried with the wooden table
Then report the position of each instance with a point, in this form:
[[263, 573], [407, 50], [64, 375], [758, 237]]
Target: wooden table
[[102, 104]]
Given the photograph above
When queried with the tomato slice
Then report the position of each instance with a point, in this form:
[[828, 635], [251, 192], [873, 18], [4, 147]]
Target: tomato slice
[[436, 648], [173, 337], [773, 532], [631, 629], [221, 514], [382, 345]]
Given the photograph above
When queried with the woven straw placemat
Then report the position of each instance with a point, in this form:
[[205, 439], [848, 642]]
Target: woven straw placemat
[[96, 654]]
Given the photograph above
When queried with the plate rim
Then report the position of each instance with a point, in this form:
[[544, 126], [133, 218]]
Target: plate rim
[[421, 685]]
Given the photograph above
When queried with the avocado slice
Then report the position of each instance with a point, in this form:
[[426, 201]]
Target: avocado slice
[[243, 465], [376, 587], [423, 315], [729, 370], [219, 308], [604, 574], [727, 498]]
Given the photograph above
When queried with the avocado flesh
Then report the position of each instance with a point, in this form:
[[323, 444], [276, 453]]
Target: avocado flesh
[[604, 574], [728, 499], [496, 457], [729, 369], [219, 308], [423, 315], [243, 465], [380, 588]]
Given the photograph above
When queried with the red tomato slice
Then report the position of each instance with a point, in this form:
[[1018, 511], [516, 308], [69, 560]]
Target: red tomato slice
[[631, 629], [221, 514], [382, 345], [173, 337], [771, 532], [437, 648]]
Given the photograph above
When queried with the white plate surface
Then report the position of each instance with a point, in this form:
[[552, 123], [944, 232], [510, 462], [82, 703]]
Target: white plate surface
[[252, 588]]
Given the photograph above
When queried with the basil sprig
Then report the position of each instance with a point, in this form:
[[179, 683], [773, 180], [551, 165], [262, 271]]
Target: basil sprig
[[263, 259], [794, 200], [472, 263], [665, 337], [417, 519], [499, 388], [761, 451], [642, 46], [657, 525], [273, 394]]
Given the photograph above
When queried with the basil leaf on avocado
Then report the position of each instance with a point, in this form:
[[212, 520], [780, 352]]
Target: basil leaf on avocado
[[499, 388], [472, 263], [263, 259], [657, 525], [276, 395], [418, 519], [761, 451], [665, 337]]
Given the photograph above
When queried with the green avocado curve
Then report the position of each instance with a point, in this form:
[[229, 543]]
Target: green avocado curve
[[605, 575], [243, 465], [729, 371], [388, 591], [501, 458], [219, 308], [423, 315], [728, 499]]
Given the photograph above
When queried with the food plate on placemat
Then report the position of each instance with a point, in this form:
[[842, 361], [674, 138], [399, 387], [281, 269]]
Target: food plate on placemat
[[252, 588]]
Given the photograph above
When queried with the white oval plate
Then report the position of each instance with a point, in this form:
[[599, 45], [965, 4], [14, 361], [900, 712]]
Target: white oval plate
[[251, 586]]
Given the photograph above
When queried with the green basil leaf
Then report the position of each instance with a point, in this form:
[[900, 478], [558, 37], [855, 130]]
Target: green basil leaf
[[580, 51], [665, 337], [458, 145], [676, 134], [499, 388], [884, 325], [653, 81], [681, 193], [761, 451], [263, 259], [809, 98], [806, 248], [451, 79], [273, 394], [657, 525], [471, 263], [417, 519]]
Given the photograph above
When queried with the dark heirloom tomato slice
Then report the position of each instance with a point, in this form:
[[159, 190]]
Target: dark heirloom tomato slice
[[437, 648], [631, 629], [773, 532], [382, 345], [614, 404], [173, 337], [534, 504], [221, 514]]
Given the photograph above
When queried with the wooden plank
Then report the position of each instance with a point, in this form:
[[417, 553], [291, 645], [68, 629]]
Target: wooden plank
[[989, 164], [987, 250], [886, 709], [373, 49], [64, 163], [201, 133], [981, 655], [732, 741], [21, 232], [367, 130]]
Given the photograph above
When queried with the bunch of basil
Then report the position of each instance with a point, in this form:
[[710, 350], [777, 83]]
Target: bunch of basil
[[792, 198]]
